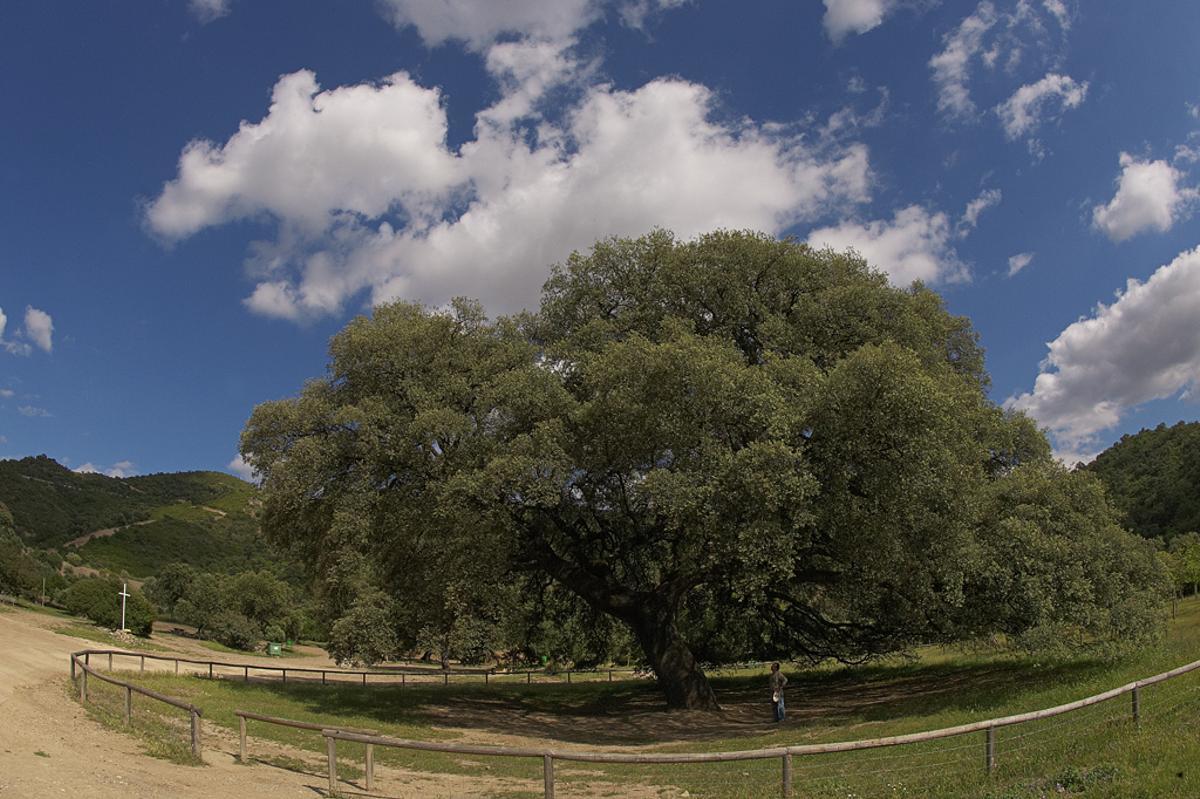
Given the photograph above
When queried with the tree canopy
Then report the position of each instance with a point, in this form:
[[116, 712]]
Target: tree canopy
[[1152, 477], [732, 447]]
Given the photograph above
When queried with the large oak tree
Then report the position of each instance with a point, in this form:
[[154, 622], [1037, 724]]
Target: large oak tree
[[734, 446]]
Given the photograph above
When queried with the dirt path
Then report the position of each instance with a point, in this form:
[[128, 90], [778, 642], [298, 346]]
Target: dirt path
[[50, 747], [105, 533]]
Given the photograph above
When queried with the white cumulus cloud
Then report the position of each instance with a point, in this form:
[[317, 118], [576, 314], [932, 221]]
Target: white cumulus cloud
[[369, 197], [1018, 262], [118, 469], [843, 17], [208, 10], [1011, 37], [951, 67], [478, 23], [239, 467], [366, 149], [1144, 346], [988, 198], [39, 326], [914, 245], [1149, 197], [1034, 103]]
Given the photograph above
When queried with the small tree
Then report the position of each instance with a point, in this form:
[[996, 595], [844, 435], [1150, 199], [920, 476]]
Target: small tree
[[203, 602], [365, 635], [170, 585]]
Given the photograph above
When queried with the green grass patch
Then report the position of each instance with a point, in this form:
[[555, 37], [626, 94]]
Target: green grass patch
[[216, 646], [103, 636], [1096, 752], [44, 610], [163, 732]]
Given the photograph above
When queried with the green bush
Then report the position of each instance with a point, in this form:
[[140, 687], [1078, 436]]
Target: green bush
[[97, 599], [234, 630]]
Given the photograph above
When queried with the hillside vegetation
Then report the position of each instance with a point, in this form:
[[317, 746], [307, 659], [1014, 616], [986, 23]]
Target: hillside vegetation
[[1152, 477], [204, 519]]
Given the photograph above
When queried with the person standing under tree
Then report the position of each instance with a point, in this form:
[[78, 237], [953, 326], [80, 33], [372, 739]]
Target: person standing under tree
[[778, 680]]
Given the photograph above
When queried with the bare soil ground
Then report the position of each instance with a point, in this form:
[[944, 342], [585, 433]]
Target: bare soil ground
[[105, 533], [50, 747]]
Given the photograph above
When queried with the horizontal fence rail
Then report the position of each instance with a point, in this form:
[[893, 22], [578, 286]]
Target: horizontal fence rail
[[245, 716], [548, 756], [391, 675], [81, 670], [784, 754]]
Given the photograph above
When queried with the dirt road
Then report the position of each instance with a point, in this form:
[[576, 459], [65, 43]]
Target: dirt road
[[50, 747]]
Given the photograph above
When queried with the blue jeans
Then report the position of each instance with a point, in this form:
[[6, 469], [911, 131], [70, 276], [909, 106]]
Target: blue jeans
[[779, 709]]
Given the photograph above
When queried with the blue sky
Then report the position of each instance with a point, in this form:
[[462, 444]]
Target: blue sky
[[198, 193]]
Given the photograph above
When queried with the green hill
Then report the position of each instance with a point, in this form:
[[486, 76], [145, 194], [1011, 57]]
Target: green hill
[[205, 519], [1154, 478]]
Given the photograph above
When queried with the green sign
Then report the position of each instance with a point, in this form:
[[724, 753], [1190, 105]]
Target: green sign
[[274, 649]]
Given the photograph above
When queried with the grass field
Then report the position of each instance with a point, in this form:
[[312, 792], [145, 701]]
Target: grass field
[[1097, 752], [90, 632]]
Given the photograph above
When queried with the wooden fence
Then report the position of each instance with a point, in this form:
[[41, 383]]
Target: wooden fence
[[548, 756], [82, 669], [784, 754], [393, 675]]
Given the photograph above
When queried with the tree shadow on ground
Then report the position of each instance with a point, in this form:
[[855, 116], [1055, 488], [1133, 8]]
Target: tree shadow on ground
[[634, 713]]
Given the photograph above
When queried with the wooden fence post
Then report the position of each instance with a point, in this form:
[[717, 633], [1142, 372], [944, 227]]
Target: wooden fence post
[[87, 658], [548, 775], [196, 733], [568, 676], [323, 677], [528, 677], [1137, 706], [787, 775], [110, 661], [990, 753], [446, 678], [72, 668], [285, 676], [143, 663], [245, 674], [83, 687], [210, 669], [128, 705], [370, 766], [364, 675], [241, 739], [331, 752], [177, 666]]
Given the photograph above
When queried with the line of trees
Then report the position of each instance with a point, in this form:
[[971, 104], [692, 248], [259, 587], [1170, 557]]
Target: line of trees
[[237, 610]]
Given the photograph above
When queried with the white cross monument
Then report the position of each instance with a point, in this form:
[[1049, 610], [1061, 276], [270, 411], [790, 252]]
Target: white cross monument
[[124, 595]]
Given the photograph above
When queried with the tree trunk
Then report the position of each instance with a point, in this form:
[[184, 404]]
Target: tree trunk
[[679, 676]]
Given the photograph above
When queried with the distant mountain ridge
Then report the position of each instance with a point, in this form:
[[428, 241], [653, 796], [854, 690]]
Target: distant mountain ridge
[[206, 519]]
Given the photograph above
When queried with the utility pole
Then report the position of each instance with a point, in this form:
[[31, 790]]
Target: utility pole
[[124, 595]]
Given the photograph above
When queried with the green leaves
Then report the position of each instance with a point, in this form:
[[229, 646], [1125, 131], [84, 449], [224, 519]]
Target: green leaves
[[730, 434]]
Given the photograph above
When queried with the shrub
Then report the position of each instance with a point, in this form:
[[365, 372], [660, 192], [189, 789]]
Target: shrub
[[97, 599], [365, 635], [234, 630]]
